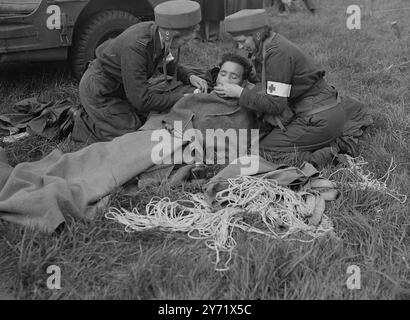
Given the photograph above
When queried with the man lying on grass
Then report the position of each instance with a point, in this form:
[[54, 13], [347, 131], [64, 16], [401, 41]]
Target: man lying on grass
[[43, 193], [215, 117]]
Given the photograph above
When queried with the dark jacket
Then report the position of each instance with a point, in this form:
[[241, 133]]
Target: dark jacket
[[132, 59], [286, 65]]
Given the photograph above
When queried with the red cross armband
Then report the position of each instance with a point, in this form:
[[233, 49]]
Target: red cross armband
[[278, 89]]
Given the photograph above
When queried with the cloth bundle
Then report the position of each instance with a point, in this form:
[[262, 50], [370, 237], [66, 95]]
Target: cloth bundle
[[50, 119]]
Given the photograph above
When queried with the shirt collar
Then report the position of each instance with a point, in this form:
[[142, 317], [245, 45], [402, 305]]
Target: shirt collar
[[158, 44], [161, 40]]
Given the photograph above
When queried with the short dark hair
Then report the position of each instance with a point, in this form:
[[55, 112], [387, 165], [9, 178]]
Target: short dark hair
[[236, 58]]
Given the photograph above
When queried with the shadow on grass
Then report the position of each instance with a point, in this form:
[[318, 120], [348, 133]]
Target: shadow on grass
[[15, 72]]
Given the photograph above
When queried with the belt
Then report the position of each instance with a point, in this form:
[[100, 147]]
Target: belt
[[326, 99], [321, 108]]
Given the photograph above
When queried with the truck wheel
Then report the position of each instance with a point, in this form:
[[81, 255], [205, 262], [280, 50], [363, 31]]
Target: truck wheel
[[102, 26]]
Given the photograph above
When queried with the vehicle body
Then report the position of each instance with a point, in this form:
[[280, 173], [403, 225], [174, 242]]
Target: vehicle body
[[49, 30]]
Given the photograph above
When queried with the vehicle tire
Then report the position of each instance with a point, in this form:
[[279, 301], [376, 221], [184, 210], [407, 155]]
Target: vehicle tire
[[101, 27]]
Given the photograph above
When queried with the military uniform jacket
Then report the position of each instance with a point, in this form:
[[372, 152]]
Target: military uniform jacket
[[290, 77], [131, 59]]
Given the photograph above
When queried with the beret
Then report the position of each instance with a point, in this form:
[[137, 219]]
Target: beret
[[177, 14], [246, 21]]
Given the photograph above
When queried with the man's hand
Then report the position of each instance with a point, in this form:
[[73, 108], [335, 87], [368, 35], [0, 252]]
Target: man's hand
[[228, 90], [200, 83]]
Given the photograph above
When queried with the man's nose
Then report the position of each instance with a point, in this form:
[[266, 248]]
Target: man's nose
[[222, 80]]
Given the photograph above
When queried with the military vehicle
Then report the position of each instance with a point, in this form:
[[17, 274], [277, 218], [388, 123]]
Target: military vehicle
[[50, 30]]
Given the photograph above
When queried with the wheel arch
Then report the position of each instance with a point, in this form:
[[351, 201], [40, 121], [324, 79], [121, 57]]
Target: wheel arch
[[142, 9]]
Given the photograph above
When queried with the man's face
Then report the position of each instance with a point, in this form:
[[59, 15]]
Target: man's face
[[230, 72], [245, 43]]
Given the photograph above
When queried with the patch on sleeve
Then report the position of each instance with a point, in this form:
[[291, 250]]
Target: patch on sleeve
[[278, 89]]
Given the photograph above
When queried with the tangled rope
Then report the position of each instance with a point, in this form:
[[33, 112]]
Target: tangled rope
[[283, 212], [278, 206], [363, 179], [278, 211]]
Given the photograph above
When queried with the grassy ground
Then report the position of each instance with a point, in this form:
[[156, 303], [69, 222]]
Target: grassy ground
[[99, 260]]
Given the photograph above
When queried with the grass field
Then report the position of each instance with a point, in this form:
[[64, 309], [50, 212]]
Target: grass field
[[99, 260]]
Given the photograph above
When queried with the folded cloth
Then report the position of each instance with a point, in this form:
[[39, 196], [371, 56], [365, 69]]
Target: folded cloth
[[48, 119]]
